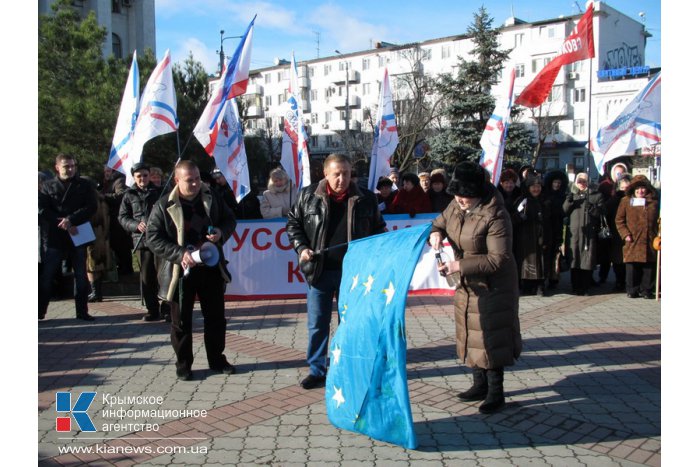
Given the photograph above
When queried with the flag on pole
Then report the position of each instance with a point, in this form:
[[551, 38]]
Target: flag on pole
[[493, 140], [578, 46], [128, 113], [158, 114], [386, 136], [637, 126], [295, 149], [233, 83], [366, 385], [229, 150]]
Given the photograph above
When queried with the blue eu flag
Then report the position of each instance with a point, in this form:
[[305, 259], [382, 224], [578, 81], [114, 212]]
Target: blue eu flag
[[366, 386]]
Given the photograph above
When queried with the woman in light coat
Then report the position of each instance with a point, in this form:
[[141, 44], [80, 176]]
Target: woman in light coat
[[478, 226], [279, 197]]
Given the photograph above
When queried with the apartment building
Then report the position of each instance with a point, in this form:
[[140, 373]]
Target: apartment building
[[130, 24]]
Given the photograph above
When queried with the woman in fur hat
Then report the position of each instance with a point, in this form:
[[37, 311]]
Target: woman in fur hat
[[479, 228], [636, 222]]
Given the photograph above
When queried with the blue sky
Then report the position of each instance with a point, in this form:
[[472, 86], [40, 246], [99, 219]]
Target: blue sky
[[295, 25]]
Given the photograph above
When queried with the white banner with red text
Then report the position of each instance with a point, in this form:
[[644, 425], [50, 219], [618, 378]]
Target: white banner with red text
[[263, 264]]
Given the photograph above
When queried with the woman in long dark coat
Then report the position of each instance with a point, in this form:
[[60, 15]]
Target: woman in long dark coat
[[584, 206], [636, 222], [616, 243], [533, 229], [479, 228], [556, 185]]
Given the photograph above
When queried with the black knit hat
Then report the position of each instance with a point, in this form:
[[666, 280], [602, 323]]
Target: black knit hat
[[468, 180], [384, 181], [411, 177], [140, 166]]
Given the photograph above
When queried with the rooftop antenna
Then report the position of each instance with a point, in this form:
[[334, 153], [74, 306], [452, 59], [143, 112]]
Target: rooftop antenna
[[577, 6], [318, 43]]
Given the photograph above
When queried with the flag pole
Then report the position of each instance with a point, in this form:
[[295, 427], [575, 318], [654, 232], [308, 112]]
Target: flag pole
[[590, 111]]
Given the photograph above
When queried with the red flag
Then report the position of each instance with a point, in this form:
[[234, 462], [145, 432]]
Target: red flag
[[578, 46]]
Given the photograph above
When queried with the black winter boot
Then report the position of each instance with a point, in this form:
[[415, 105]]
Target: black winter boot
[[494, 399], [95, 291], [478, 390]]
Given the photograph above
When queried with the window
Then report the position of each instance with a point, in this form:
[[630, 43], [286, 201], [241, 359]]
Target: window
[[365, 63], [579, 126], [366, 88], [328, 92], [268, 79], [326, 69], [268, 101], [519, 70], [314, 141], [426, 54], [116, 6], [576, 66], [116, 46], [328, 115], [280, 99], [519, 38], [579, 95], [328, 140], [549, 161], [380, 61], [341, 90], [311, 72], [446, 51], [314, 94], [555, 95], [578, 161], [314, 118]]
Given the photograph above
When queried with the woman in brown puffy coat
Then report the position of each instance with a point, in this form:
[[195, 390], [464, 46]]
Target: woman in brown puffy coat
[[479, 229], [636, 222]]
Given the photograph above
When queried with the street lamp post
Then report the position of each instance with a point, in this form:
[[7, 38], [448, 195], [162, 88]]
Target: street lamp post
[[221, 50], [347, 105]]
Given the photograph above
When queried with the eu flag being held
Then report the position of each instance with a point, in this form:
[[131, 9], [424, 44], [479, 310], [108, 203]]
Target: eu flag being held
[[366, 386]]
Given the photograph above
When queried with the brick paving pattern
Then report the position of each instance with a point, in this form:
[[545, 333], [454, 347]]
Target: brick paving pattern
[[586, 390]]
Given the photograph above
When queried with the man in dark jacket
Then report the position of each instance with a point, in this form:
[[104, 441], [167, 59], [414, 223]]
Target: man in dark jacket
[[113, 187], [133, 216], [65, 203], [327, 215], [178, 226]]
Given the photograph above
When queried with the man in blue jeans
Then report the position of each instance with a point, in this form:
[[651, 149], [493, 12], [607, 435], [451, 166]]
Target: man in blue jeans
[[65, 202], [326, 216]]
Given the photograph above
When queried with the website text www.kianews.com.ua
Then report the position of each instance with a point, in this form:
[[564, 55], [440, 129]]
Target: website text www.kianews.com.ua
[[99, 448]]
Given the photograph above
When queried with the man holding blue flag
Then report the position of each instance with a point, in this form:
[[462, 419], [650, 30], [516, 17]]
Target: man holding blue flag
[[326, 216]]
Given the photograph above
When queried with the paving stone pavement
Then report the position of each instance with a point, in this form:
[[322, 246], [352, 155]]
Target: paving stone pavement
[[585, 392]]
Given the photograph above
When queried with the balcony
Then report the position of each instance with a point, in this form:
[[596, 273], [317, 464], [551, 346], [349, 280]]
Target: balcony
[[339, 102], [255, 111], [338, 77], [253, 89], [304, 82], [339, 125], [556, 109]]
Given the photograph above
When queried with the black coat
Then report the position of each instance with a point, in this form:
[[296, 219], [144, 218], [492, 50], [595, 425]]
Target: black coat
[[166, 235], [75, 200], [533, 243], [584, 210], [136, 207], [307, 221]]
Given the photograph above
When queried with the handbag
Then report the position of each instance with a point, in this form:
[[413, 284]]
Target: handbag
[[604, 232]]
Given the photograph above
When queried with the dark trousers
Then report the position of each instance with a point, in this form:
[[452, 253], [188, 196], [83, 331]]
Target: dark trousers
[[640, 277], [51, 264], [149, 281], [208, 285], [620, 274], [580, 280]]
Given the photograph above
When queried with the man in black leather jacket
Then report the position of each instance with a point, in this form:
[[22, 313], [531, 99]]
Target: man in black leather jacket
[[65, 202], [328, 214], [133, 216], [177, 221]]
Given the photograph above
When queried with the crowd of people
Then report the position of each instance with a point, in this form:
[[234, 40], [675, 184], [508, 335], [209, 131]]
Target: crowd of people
[[513, 239]]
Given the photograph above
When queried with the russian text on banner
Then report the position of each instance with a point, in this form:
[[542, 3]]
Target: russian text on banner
[[578, 46]]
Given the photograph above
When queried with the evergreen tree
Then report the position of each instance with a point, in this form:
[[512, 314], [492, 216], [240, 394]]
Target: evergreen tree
[[468, 103]]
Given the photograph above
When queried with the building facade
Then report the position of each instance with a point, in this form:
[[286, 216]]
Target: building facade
[[585, 95], [130, 24]]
